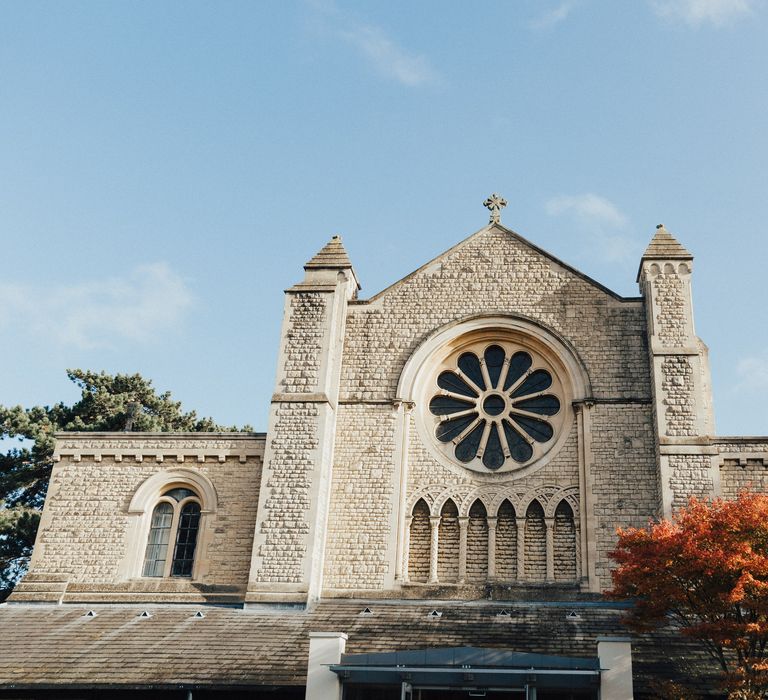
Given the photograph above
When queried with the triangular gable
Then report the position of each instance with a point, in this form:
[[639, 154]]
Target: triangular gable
[[515, 236]]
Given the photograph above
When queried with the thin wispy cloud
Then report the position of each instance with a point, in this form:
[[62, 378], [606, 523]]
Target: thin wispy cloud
[[753, 373], [599, 221], [98, 313], [554, 16], [589, 208], [698, 12], [389, 59], [380, 50]]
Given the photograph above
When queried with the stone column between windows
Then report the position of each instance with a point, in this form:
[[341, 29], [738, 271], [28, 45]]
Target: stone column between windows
[[400, 544], [587, 521], [520, 522], [463, 525], [549, 523], [491, 548], [405, 561], [434, 521]]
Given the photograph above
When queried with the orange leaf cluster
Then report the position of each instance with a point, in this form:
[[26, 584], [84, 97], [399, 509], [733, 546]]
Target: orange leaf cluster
[[706, 571]]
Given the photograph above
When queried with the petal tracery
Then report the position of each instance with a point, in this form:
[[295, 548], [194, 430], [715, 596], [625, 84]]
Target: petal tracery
[[494, 406]]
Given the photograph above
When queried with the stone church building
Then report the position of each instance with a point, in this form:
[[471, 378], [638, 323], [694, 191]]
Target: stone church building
[[429, 514]]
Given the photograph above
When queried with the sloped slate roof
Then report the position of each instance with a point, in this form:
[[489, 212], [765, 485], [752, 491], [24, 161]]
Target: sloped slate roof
[[332, 255], [665, 245], [46, 646]]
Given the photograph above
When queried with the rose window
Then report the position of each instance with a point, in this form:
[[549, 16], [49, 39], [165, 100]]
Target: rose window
[[495, 405]]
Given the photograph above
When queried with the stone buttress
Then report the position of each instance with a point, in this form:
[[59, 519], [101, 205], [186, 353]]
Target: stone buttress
[[288, 548], [680, 371]]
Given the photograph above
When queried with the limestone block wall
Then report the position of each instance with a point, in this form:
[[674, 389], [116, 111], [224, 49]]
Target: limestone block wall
[[306, 317], [361, 505], [87, 533], [679, 400], [670, 318], [742, 464], [284, 525], [681, 383], [624, 474], [690, 475], [494, 272]]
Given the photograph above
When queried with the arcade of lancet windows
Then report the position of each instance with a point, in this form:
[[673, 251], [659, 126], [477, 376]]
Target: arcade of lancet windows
[[506, 537]]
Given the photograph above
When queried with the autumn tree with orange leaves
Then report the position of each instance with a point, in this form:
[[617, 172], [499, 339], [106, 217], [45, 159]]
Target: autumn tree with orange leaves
[[706, 571]]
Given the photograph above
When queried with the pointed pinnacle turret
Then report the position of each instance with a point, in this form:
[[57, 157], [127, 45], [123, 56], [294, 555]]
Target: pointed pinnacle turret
[[332, 256], [330, 264], [665, 246]]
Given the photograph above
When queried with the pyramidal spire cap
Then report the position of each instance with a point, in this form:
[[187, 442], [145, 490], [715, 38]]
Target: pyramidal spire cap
[[332, 255], [665, 246]]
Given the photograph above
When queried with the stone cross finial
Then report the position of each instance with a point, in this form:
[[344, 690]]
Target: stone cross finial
[[495, 204]]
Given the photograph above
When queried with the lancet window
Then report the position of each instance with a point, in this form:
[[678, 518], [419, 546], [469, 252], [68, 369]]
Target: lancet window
[[479, 547]]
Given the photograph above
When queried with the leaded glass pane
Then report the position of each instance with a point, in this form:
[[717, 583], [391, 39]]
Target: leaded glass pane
[[494, 361], [538, 430], [546, 405], [450, 381], [186, 539], [519, 364], [179, 494], [493, 457], [519, 448], [157, 543], [470, 365], [466, 450], [537, 381], [450, 429], [445, 405]]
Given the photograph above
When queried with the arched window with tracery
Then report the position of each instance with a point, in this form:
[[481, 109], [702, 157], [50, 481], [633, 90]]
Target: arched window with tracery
[[477, 543], [565, 543], [173, 535]]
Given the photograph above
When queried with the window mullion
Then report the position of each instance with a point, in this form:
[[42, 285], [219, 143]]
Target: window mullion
[[172, 541]]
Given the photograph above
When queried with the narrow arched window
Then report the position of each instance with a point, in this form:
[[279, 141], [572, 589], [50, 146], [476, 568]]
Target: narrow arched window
[[175, 519], [477, 543], [420, 543], [535, 543], [565, 543], [186, 539], [159, 536], [449, 540]]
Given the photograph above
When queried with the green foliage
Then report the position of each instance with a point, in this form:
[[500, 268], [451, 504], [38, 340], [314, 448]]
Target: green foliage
[[17, 536], [107, 403]]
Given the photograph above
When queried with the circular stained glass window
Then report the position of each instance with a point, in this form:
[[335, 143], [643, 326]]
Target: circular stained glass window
[[496, 406]]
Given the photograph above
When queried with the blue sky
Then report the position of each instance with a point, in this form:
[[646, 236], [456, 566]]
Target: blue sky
[[166, 168]]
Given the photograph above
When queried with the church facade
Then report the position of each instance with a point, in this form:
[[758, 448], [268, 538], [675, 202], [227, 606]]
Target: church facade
[[429, 514]]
